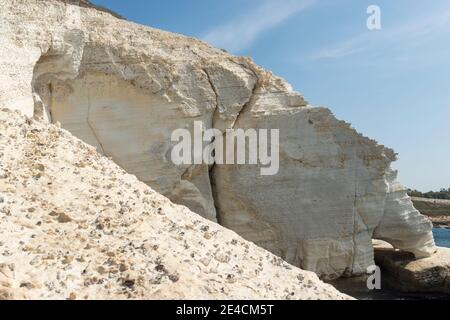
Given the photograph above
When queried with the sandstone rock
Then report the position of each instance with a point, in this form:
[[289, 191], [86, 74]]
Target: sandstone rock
[[118, 239], [406, 273], [124, 88]]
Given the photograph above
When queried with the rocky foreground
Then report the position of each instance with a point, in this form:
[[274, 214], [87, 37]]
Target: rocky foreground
[[74, 225], [401, 271]]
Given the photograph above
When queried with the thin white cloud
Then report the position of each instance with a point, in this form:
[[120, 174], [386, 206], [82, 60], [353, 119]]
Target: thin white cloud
[[406, 34], [240, 33]]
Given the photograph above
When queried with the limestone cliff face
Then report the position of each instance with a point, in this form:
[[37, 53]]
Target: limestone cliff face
[[125, 88]]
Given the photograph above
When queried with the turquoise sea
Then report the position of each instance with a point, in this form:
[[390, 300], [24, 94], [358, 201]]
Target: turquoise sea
[[442, 237]]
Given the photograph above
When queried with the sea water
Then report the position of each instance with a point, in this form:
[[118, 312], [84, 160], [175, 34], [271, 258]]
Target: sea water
[[442, 237]]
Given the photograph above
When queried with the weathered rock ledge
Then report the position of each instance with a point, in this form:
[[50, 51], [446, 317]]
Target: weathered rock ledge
[[403, 272]]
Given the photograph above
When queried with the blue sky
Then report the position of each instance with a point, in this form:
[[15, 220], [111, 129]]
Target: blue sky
[[392, 85]]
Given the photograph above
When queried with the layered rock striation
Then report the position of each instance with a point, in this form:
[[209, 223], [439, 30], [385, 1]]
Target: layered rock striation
[[124, 88]]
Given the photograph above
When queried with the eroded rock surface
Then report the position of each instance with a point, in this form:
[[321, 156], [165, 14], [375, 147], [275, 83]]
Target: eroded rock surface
[[124, 88], [73, 225], [404, 272]]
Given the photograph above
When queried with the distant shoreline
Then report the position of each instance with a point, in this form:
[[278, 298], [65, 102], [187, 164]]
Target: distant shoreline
[[437, 210], [441, 222]]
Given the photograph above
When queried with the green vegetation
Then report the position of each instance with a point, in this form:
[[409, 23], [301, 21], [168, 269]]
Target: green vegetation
[[442, 194]]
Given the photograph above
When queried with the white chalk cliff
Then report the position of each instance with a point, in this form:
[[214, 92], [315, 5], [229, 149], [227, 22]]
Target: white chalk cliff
[[124, 88]]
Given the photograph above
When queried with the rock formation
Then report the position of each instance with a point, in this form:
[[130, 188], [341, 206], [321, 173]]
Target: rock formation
[[403, 272], [76, 226], [124, 88]]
